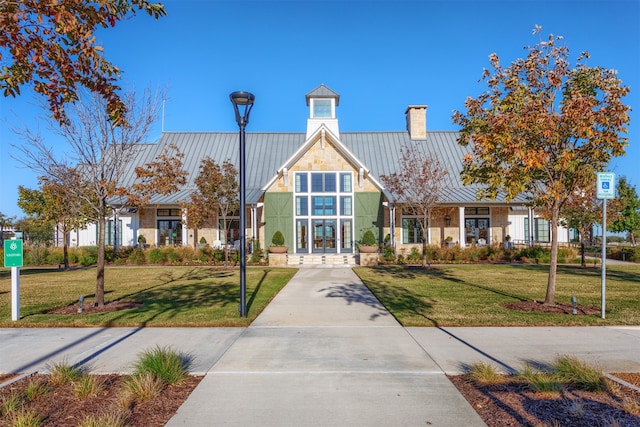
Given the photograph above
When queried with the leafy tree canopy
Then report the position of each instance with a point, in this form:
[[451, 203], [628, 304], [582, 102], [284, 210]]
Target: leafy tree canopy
[[541, 128], [52, 45]]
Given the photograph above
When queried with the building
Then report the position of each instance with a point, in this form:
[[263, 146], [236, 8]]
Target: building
[[322, 189]]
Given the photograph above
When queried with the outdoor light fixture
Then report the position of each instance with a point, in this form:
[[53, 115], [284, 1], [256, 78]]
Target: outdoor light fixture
[[447, 220], [242, 104]]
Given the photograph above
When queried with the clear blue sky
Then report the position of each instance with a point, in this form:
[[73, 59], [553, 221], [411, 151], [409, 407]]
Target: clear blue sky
[[380, 56]]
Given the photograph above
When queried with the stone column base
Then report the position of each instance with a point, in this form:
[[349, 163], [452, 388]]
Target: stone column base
[[368, 260], [277, 260]]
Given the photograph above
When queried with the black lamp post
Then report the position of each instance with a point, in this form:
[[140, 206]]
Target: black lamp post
[[242, 99]]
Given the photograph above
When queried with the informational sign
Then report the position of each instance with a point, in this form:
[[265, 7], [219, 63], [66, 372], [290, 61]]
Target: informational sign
[[605, 185], [13, 253]]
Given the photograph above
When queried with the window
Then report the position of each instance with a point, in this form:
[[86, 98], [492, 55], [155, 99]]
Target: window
[[476, 211], [323, 205], [110, 232], [301, 183], [345, 183], [229, 230], [169, 232], [322, 108], [346, 206], [302, 207], [168, 212], [411, 231], [323, 182], [541, 230]]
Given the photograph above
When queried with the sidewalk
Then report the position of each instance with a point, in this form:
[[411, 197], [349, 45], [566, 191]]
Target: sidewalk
[[324, 352]]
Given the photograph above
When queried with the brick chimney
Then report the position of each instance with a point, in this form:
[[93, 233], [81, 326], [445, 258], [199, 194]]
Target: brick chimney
[[417, 121]]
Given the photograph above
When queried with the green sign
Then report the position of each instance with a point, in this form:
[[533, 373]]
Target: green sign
[[13, 253]]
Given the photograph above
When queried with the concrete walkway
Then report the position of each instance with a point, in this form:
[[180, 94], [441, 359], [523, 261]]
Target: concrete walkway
[[325, 352]]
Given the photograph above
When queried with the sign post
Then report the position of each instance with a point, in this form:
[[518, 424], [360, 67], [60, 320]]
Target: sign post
[[13, 258], [605, 189]]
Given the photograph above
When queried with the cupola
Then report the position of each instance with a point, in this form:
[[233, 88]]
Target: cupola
[[322, 102]]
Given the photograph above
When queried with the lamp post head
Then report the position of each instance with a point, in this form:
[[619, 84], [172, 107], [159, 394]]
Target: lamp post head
[[245, 99]]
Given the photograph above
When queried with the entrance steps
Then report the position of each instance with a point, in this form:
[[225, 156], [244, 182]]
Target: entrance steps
[[312, 260]]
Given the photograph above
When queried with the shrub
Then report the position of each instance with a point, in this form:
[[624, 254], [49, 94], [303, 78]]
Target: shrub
[[137, 257], [414, 255], [87, 385], [156, 256], [582, 376], [541, 382], [36, 255], [54, 258], [61, 373], [203, 241], [171, 255], [277, 239], [88, 255], [163, 363], [218, 255], [185, 254], [205, 254], [483, 374], [389, 254], [144, 387], [107, 419], [369, 239]]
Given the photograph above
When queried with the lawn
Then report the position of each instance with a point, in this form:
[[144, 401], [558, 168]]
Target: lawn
[[476, 295], [170, 296]]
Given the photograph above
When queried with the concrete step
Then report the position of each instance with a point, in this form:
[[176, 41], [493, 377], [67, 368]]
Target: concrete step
[[302, 260]]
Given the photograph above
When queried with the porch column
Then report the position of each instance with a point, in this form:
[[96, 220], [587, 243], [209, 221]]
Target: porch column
[[461, 230], [531, 237]]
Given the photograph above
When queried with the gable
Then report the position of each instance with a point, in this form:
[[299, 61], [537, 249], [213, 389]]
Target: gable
[[323, 152]]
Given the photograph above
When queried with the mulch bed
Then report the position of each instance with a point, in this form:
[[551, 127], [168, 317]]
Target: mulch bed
[[512, 404], [90, 308], [59, 407], [557, 308]]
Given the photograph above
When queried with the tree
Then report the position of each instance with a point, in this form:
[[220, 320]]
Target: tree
[[582, 210], [102, 156], [5, 222], [35, 231], [55, 206], [216, 197], [628, 220], [52, 45], [417, 187], [540, 128]]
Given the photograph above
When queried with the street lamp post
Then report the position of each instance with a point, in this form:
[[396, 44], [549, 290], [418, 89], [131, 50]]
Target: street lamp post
[[242, 99]]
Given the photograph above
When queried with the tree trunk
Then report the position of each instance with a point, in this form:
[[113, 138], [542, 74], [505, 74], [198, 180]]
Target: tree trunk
[[65, 248], [195, 238], [99, 299], [550, 298]]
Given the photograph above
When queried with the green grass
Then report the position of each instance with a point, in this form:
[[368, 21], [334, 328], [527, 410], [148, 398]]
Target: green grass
[[476, 295], [171, 296]]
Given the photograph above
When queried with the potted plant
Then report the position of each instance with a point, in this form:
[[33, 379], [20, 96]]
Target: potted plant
[[142, 241], [277, 243], [368, 243], [202, 243], [448, 241]]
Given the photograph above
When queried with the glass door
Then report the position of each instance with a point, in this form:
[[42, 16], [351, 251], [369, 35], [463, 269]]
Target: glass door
[[324, 236], [476, 231]]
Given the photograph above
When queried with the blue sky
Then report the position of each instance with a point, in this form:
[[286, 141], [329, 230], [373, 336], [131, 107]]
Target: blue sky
[[380, 56]]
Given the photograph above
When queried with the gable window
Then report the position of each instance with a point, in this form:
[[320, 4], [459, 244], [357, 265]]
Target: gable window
[[322, 108]]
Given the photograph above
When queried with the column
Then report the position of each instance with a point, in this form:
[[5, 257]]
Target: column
[[461, 225]]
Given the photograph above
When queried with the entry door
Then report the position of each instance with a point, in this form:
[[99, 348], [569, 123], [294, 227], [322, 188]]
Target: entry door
[[324, 236], [476, 230]]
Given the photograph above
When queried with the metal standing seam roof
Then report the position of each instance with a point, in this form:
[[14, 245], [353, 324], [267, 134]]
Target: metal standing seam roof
[[267, 152]]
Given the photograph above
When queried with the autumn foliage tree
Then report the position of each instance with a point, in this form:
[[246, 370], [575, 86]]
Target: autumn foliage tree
[[54, 204], [417, 187], [216, 196], [101, 157], [51, 45], [540, 128]]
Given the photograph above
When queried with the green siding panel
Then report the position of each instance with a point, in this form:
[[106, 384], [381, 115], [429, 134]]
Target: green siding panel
[[278, 215], [369, 214]]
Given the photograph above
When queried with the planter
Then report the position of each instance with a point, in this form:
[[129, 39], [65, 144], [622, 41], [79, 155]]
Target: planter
[[278, 249], [368, 249]]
